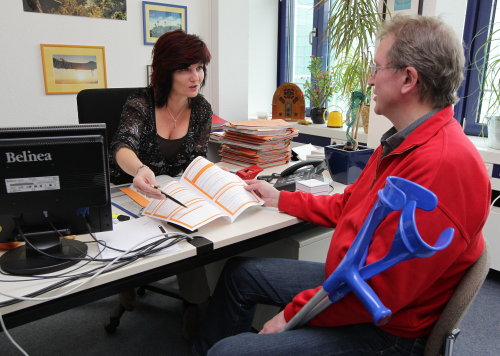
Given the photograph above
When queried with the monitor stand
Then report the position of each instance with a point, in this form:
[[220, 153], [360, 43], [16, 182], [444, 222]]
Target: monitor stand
[[25, 261]]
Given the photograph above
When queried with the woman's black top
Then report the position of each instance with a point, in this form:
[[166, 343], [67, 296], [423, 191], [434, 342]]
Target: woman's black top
[[137, 131]]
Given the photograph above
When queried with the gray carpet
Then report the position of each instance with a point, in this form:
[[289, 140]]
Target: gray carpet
[[154, 329]]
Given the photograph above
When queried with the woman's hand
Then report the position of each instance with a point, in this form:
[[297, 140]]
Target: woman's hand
[[144, 181], [264, 190], [275, 325]]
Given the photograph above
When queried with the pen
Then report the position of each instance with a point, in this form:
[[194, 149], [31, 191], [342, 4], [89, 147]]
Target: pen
[[168, 196]]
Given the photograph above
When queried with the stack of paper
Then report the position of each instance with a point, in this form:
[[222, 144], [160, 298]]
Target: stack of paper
[[265, 143], [313, 186]]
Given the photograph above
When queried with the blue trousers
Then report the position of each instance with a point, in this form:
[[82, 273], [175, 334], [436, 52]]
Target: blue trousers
[[245, 282]]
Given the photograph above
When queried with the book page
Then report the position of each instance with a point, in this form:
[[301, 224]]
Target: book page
[[198, 212], [225, 189], [208, 191]]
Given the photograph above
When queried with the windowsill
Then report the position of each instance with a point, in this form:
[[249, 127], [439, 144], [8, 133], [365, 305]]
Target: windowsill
[[490, 155], [324, 131]]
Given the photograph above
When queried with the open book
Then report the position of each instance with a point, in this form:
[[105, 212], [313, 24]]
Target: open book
[[208, 191]]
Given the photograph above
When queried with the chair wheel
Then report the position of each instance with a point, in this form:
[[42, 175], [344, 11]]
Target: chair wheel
[[112, 326], [141, 291]]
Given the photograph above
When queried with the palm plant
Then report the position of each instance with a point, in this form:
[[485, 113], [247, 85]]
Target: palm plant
[[351, 31]]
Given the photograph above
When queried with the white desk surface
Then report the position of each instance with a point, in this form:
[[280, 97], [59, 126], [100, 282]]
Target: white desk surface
[[253, 222]]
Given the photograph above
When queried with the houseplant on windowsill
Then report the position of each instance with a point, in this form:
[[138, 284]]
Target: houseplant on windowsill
[[319, 89], [487, 63], [351, 31]]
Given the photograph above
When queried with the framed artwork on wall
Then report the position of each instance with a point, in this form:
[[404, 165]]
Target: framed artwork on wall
[[110, 9], [68, 69], [404, 7], [160, 18]]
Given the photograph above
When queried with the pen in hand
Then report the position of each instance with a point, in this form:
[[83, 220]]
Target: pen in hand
[[168, 196]]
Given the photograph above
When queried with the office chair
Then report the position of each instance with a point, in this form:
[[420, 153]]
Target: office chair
[[105, 106], [442, 337]]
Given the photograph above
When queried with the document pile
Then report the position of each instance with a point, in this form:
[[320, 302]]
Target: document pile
[[265, 143], [313, 186]]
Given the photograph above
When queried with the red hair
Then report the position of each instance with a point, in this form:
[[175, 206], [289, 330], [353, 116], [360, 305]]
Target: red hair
[[173, 51]]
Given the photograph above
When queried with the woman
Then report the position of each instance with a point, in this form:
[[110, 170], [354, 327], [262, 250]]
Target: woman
[[163, 128], [166, 125]]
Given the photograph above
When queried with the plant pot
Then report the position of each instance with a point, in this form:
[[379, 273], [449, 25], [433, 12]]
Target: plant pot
[[346, 166], [317, 115], [494, 132]]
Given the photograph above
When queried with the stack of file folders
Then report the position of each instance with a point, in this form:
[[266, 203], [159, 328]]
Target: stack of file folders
[[265, 143], [313, 186]]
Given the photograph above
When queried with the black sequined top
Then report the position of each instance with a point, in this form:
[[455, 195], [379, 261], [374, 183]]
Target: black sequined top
[[137, 131]]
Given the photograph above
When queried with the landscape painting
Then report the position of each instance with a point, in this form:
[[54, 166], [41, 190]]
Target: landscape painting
[[69, 69], [160, 18], [109, 9]]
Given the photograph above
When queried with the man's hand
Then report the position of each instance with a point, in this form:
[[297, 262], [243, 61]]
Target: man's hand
[[275, 325], [264, 190]]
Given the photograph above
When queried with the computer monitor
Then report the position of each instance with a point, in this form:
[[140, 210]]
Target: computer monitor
[[54, 182]]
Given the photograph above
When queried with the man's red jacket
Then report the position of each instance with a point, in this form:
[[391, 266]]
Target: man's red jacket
[[438, 156]]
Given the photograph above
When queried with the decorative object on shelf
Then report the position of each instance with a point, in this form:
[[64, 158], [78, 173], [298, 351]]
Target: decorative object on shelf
[[319, 89], [335, 118], [158, 18], [111, 9], [288, 103], [69, 69], [351, 32], [345, 166]]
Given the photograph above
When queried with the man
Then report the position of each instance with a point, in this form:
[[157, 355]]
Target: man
[[417, 70]]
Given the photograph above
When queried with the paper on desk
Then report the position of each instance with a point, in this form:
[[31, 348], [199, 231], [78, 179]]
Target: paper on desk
[[304, 150], [126, 234]]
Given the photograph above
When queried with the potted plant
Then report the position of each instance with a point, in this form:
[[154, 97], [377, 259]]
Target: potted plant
[[319, 89], [487, 63], [351, 32]]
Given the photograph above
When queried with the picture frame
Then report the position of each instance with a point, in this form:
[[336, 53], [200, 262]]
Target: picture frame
[[404, 7], [68, 69], [159, 18], [149, 70]]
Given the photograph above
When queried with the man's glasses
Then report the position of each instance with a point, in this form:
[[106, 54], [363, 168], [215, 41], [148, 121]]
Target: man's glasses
[[374, 69]]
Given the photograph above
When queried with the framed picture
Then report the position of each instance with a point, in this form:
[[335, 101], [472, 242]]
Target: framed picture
[[405, 7], [160, 18], [149, 70], [68, 69]]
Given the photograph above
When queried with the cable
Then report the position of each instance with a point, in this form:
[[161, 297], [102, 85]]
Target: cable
[[493, 205], [11, 339]]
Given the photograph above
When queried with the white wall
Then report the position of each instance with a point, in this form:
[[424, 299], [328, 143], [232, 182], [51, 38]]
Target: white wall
[[23, 101]]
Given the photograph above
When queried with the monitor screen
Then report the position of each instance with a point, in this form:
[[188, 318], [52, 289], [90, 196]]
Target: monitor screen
[[54, 182]]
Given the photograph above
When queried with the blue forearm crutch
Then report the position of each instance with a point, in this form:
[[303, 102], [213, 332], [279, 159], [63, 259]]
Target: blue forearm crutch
[[350, 275]]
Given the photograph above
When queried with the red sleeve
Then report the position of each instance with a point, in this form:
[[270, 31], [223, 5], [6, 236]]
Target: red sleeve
[[323, 210]]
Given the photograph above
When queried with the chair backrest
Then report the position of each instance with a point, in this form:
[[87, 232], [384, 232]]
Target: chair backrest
[[458, 305], [102, 105]]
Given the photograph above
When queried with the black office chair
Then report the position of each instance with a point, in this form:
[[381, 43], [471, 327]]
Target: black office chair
[[105, 106]]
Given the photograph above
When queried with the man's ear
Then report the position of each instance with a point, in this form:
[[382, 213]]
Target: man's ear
[[410, 80]]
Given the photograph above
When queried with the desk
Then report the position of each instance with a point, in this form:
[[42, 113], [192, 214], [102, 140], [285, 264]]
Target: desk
[[255, 227]]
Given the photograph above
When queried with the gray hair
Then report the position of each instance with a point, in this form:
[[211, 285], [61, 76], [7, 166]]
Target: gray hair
[[433, 49]]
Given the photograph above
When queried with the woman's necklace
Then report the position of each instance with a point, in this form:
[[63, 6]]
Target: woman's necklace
[[177, 117]]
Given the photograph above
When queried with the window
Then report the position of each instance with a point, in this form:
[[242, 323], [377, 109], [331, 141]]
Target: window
[[479, 22], [301, 26]]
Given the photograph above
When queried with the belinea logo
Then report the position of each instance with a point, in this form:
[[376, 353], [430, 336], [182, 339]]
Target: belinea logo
[[27, 156]]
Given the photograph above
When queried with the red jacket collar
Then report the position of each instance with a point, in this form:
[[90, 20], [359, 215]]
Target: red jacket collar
[[427, 130]]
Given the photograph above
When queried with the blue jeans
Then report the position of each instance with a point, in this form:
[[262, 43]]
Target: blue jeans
[[246, 282]]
